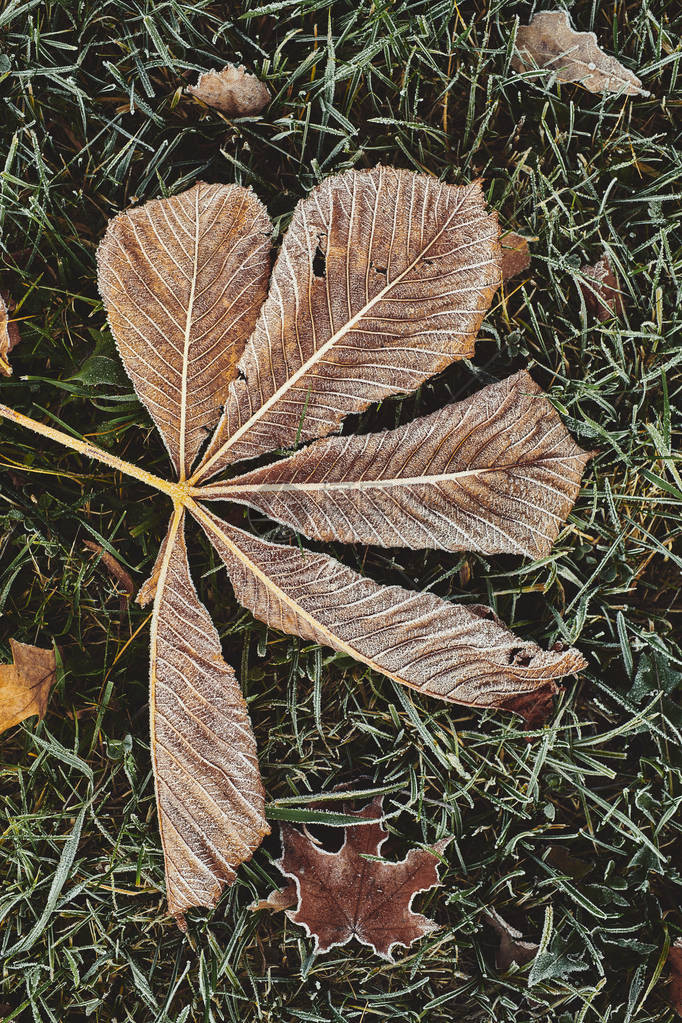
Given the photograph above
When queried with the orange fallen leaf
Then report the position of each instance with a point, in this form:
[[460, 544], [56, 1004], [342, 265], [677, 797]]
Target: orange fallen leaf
[[26, 683]]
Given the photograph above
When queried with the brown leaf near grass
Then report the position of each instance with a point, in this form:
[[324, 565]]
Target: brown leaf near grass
[[277, 900], [550, 42], [9, 334], [512, 949], [515, 255], [673, 987], [348, 894], [675, 983], [115, 569], [601, 291], [26, 683], [208, 787], [534, 707], [233, 91]]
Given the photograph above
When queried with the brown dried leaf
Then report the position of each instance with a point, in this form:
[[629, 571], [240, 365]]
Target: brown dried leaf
[[512, 948], [675, 983], [550, 42], [344, 895], [182, 280], [515, 255], [601, 291], [457, 653], [114, 567], [208, 788], [535, 708], [382, 280], [26, 683], [566, 863], [9, 334], [281, 898], [233, 91], [495, 473]]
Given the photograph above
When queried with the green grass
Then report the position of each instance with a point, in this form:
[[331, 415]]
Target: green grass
[[574, 836]]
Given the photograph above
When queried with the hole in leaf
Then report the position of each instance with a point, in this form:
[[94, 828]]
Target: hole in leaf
[[319, 263], [519, 657]]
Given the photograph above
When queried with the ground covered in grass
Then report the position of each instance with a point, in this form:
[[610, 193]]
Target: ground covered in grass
[[573, 837]]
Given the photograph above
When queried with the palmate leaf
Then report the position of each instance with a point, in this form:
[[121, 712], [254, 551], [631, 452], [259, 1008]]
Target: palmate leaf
[[495, 473], [382, 280]]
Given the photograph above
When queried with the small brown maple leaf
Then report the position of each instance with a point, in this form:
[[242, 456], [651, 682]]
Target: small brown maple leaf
[[348, 894], [26, 683], [277, 900]]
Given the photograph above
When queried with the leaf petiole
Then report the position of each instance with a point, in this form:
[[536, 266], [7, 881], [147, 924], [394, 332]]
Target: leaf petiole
[[174, 490]]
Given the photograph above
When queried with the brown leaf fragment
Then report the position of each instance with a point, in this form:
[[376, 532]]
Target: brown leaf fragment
[[208, 788], [550, 42], [497, 472], [344, 895], [26, 683], [535, 708], [675, 982], [382, 280], [114, 567], [512, 948], [9, 334], [515, 255], [182, 280], [281, 898], [233, 91], [566, 863], [602, 293], [456, 653]]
